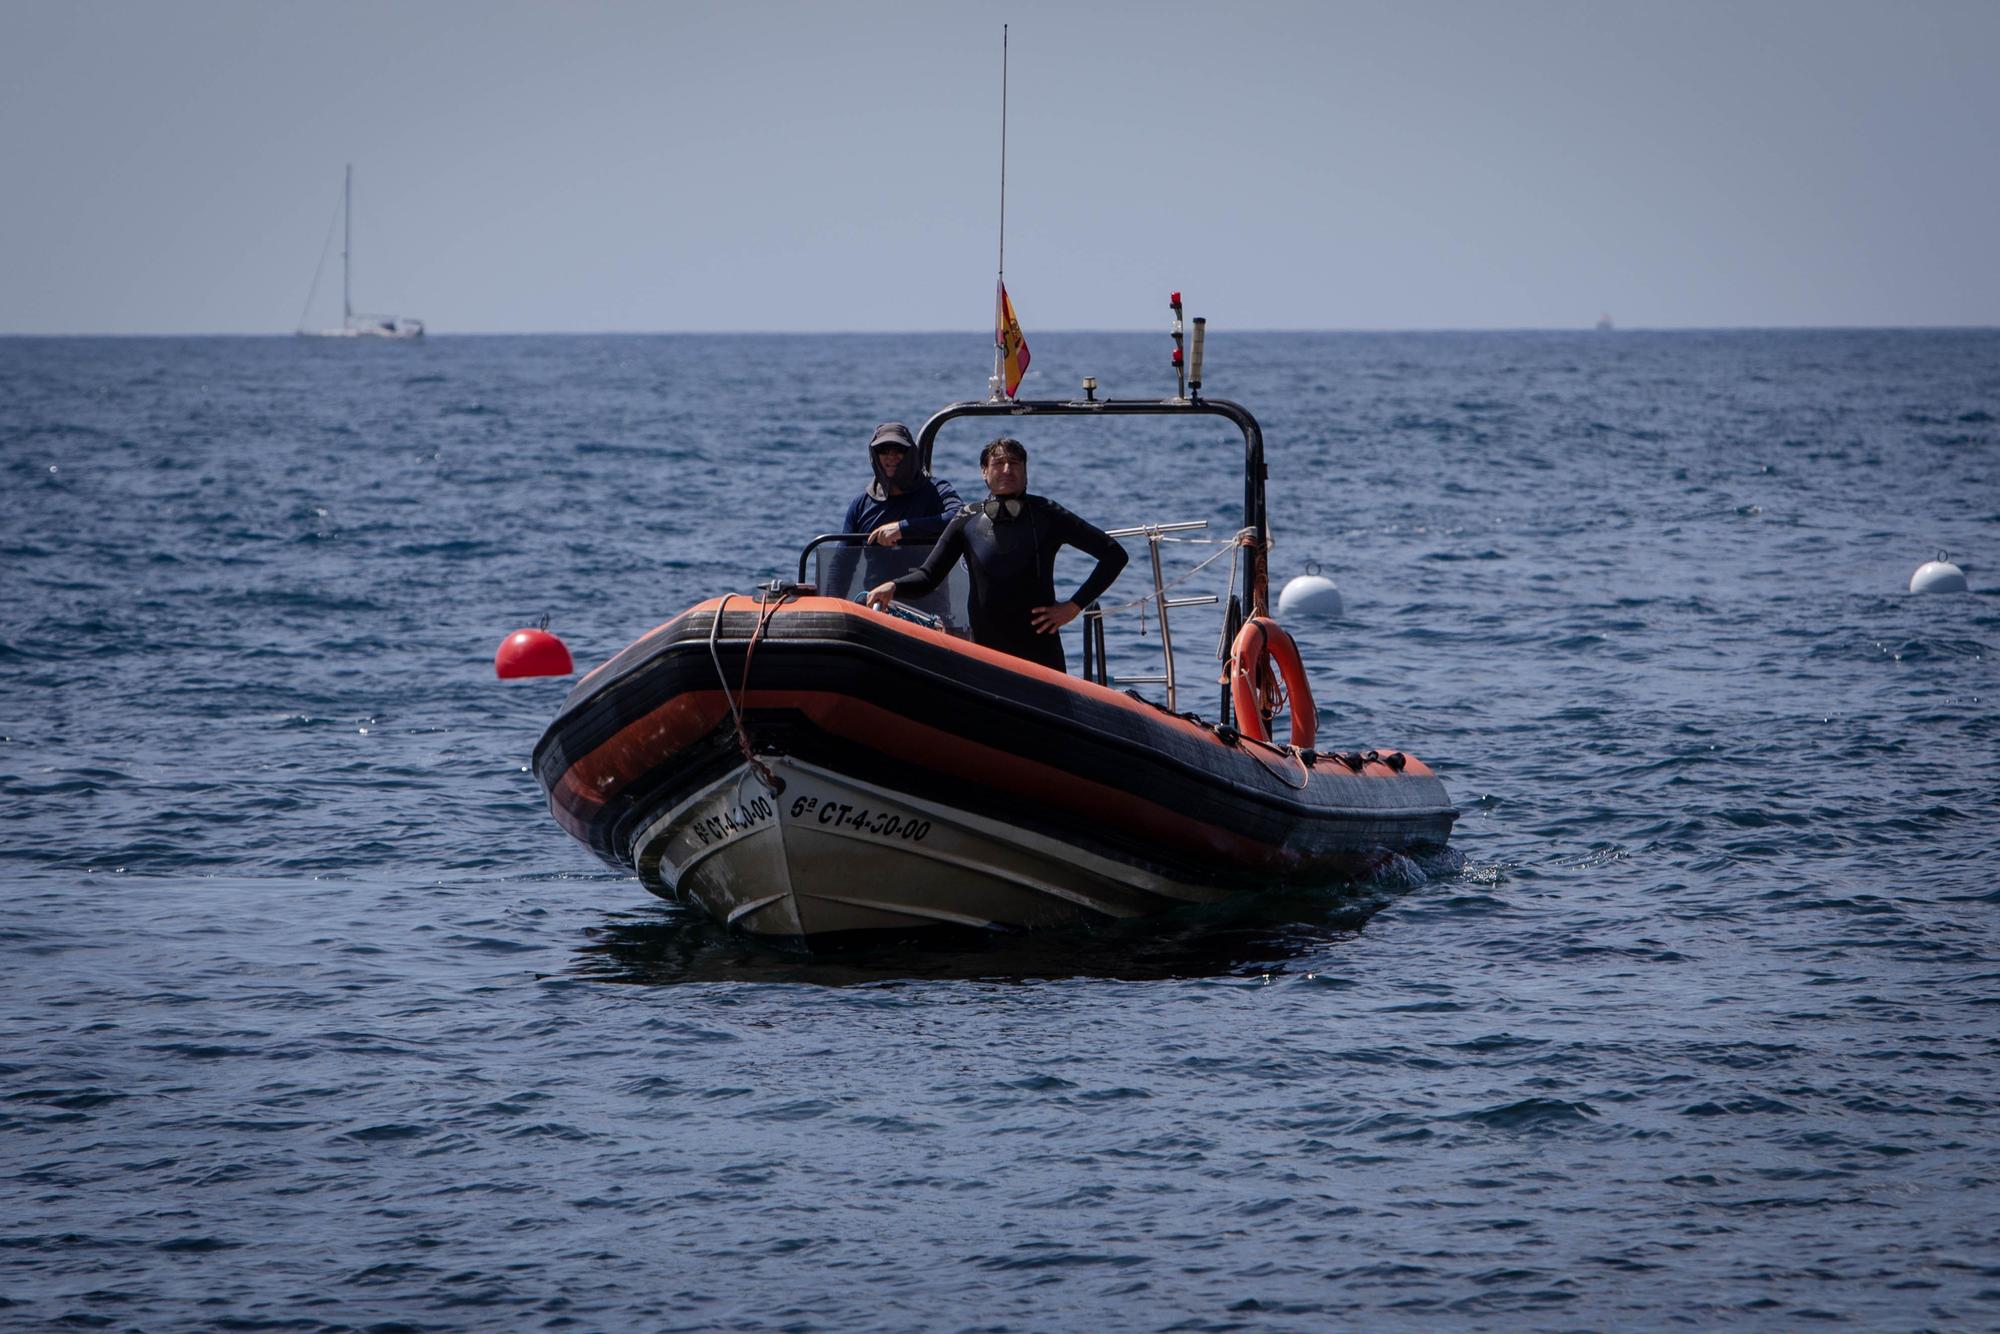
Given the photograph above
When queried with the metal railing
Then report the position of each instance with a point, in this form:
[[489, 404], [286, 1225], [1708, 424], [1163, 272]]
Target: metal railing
[[1096, 666], [1093, 630]]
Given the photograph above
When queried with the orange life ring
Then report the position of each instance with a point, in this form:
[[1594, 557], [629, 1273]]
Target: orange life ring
[[1253, 690]]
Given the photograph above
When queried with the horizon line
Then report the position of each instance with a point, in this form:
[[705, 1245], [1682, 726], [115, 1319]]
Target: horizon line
[[974, 333]]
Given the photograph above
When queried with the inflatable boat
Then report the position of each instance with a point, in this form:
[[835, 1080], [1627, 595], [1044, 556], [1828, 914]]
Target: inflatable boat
[[807, 770]]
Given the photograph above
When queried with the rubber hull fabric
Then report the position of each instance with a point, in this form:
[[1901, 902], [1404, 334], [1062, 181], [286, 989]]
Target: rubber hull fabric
[[886, 777]]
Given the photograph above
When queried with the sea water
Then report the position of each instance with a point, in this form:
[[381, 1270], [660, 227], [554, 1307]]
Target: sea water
[[315, 1020]]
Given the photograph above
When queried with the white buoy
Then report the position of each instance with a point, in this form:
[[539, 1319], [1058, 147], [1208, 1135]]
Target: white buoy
[[1311, 594], [1938, 576]]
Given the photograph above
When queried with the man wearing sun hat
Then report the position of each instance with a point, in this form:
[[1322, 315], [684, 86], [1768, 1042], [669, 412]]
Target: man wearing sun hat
[[901, 502]]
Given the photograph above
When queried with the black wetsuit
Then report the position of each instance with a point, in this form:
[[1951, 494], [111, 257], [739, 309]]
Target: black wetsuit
[[1010, 548]]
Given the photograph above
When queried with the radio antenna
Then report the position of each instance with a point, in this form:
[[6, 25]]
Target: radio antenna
[[1003, 151], [997, 384]]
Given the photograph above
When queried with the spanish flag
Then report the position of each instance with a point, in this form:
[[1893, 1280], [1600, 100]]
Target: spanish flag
[[1007, 337]]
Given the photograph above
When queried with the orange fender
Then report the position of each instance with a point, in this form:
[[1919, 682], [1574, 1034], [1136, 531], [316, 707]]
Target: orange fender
[[1261, 644]]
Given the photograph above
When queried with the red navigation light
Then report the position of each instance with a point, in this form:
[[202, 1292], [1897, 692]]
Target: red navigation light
[[1175, 300], [1177, 356]]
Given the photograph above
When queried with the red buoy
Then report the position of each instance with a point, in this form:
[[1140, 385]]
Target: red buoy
[[531, 653]]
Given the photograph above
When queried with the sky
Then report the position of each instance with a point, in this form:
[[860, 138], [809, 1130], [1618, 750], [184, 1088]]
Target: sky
[[175, 166]]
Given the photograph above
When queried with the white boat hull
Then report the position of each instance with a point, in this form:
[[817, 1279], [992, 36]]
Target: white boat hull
[[830, 855], [401, 331]]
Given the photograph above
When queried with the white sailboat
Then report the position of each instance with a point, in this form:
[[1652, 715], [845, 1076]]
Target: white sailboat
[[353, 325]]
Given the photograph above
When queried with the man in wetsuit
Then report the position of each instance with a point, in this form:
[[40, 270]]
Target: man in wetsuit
[[1009, 542], [900, 503]]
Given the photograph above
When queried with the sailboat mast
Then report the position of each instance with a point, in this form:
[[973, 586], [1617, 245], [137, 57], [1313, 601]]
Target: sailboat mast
[[346, 246]]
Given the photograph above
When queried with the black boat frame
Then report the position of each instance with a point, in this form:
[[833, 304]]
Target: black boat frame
[[1256, 576]]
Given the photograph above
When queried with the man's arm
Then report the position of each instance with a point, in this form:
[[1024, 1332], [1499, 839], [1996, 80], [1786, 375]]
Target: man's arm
[[1089, 538], [931, 573], [927, 528]]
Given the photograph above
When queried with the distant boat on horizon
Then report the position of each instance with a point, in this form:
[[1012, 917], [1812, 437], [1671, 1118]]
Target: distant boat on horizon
[[398, 327], [1604, 324]]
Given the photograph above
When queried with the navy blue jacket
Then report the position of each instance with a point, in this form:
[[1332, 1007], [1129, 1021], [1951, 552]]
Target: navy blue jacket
[[926, 505], [921, 511]]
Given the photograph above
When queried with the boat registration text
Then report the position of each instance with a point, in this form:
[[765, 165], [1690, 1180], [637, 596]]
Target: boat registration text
[[843, 815], [737, 820]]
